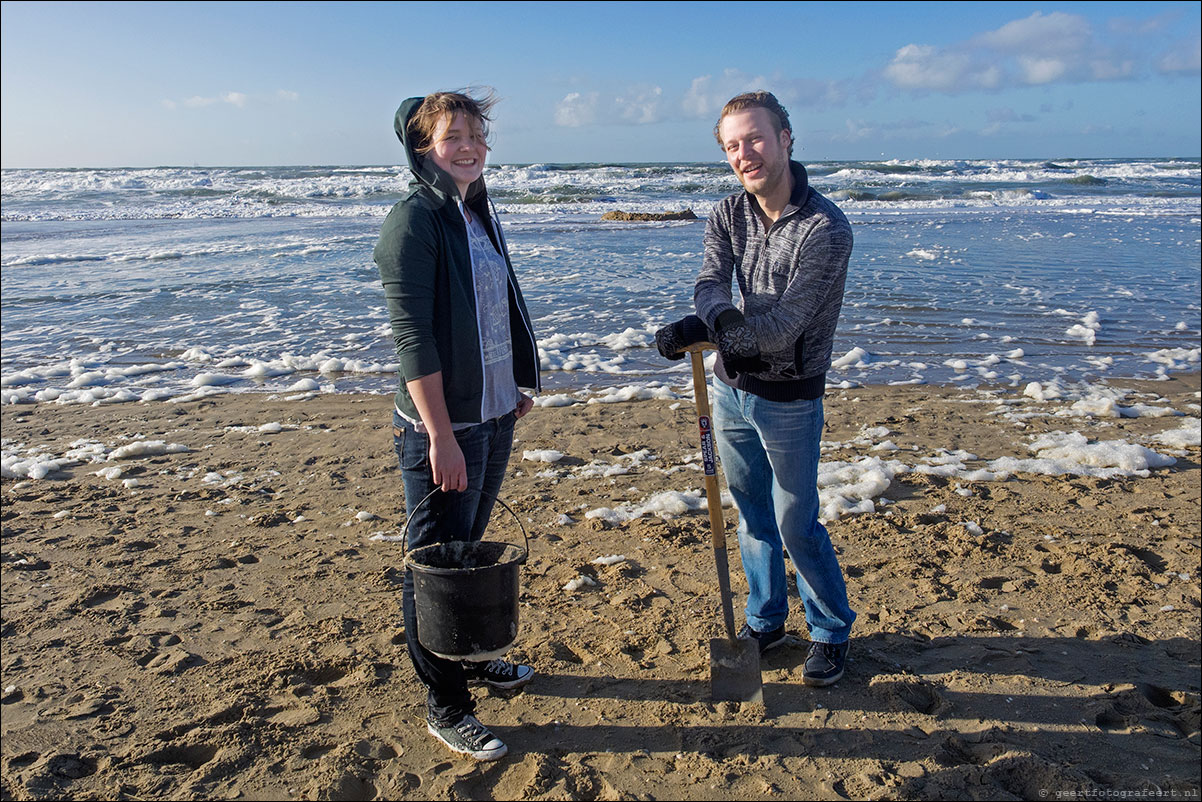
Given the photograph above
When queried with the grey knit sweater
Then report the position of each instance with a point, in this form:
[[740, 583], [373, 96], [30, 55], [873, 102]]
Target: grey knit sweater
[[791, 279]]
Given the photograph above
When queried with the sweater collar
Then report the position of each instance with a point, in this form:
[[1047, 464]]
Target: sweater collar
[[797, 198], [801, 187]]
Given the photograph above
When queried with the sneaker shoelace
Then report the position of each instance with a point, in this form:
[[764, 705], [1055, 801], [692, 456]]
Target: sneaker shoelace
[[829, 652], [473, 732]]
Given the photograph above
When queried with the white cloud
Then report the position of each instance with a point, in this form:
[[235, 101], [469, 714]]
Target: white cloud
[[640, 106], [197, 102], [925, 67], [1107, 70], [1036, 70], [704, 99], [576, 109], [1037, 50], [636, 106], [707, 95], [857, 130], [1185, 58], [1041, 35], [284, 94]]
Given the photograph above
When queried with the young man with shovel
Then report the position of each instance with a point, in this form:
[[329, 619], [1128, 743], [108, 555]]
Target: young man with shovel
[[788, 247]]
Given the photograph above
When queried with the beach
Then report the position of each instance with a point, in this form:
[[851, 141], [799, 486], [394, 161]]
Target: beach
[[202, 508], [201, 600]]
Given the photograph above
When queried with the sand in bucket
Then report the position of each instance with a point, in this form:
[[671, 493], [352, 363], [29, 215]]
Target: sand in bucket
[[467, 598]]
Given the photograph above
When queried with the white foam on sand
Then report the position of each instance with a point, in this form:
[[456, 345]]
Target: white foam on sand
[[1094, 401], [581, 581], [667, 505], [555, 400], [147, 448], [19, 461], [79, 381], [273, 427], [1071, 453], [543, 455], [623, 464], [846, 488], [1188, 435], [849, 486], [645, 392]]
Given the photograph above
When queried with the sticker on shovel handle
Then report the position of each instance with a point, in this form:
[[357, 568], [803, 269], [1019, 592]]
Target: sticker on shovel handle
[[707, 445]]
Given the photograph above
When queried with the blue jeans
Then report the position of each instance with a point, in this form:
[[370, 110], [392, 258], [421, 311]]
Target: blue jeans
[[444, 518], [769, 452]]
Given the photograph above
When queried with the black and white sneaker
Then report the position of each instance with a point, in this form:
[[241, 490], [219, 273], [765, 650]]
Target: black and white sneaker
[[469, 737], [766, 640], [498, 673]]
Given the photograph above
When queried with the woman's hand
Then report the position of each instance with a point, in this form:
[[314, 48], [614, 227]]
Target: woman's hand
[[525, 404], [447, 464]]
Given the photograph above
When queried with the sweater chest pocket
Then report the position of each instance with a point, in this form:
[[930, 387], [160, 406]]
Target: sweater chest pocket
[[772, 272]]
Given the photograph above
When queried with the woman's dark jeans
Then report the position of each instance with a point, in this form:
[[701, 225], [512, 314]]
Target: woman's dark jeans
[[444, 518]]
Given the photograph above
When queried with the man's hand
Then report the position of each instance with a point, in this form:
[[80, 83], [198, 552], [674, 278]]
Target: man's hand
[[673, 338], [737, 345]]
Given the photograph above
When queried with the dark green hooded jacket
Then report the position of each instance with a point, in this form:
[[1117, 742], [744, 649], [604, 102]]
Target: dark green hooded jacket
[[426, 267]]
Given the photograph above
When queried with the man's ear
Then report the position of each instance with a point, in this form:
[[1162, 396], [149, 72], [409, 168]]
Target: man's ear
[[786, 138]]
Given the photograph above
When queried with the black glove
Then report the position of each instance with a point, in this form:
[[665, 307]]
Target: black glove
[[673, 338], [737, 344]]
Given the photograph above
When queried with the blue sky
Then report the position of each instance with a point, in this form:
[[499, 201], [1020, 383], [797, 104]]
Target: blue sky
[[144, 84]]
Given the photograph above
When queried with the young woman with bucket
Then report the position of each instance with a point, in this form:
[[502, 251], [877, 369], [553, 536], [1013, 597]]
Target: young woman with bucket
[[464, 344]]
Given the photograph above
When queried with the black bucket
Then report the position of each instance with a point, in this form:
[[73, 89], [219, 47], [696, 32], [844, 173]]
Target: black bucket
[[467, 595]]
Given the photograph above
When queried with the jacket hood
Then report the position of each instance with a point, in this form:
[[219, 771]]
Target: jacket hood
[[425, 171]]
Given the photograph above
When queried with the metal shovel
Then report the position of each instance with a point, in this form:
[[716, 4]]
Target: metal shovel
[[734, 663]]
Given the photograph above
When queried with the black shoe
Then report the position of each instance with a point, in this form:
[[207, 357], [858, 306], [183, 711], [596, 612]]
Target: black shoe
[[498, 674], [767, 640], [469, 737], [825, 663]]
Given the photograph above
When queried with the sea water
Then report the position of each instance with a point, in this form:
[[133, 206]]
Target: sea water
[[144, 284]]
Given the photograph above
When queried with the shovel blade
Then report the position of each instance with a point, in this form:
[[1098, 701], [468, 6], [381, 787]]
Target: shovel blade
[[735, 671]]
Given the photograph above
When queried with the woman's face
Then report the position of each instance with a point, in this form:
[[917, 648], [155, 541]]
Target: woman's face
[[459, 149]]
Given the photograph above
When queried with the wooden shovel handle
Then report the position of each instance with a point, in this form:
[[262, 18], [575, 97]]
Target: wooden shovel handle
[[713, 497]]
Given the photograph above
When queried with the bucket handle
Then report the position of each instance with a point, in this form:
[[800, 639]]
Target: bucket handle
[[409, 518]]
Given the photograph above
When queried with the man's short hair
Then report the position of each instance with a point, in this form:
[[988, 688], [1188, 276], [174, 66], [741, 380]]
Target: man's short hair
[[757, 100], [429, 114]]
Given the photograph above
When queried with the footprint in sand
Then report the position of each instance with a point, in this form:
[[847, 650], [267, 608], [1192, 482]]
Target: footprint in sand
[[192, 756], [1153, 709], [903, 692], [51, 776], [171, 661]]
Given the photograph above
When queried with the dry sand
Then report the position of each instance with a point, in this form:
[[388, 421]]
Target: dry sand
[[241, 638]]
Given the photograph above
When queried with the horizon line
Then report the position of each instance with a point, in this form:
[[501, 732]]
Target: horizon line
[[392, 165]]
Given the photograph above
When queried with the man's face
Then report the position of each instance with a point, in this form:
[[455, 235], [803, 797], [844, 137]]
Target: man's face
[[758, 155], [459, 148]]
